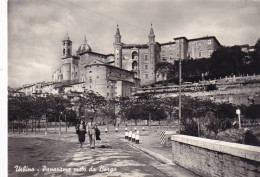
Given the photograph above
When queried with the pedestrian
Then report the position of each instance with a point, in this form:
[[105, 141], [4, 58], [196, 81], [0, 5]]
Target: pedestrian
[[81, 131], [91, 127]]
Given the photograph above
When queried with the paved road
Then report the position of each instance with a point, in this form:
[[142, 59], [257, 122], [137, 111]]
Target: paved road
[[55, 155]]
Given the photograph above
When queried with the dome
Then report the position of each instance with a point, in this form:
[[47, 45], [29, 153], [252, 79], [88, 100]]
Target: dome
[[84, 47]]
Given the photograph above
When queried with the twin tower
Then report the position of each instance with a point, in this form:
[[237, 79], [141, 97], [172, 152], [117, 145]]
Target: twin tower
[[138, 58]]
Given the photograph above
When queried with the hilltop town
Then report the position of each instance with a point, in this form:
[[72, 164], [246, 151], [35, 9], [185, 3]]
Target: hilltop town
[[134, 67]]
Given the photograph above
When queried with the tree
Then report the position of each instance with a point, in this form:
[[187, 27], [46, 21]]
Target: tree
[[71, 116], [255, 58], [227, 61], [252, 112], [170, 105], [57, 105], [225, 110], [90, 103], [12, 110], [107, 112], [123, 107], [193, 110]]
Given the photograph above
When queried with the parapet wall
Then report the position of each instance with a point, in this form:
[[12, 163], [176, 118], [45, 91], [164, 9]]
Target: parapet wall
[[208, 157]]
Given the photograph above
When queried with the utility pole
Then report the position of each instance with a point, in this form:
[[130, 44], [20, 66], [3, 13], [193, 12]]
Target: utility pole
[[59, 123], [180, 86], [66, 123], [46, 124]]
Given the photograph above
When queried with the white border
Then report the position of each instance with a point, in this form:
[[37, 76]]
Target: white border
[[3, 88]]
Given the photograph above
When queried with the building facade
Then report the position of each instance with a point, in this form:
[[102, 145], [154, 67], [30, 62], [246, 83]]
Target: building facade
[[189, 48], [115, 75]]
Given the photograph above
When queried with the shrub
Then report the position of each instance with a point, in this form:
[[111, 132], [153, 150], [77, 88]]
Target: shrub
[[190, 129], [211, 87], [251, 139]]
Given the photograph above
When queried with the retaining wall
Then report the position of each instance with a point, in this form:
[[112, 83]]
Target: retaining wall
[[208, 157]]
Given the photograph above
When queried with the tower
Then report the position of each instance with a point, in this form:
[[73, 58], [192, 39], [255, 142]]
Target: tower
[[66, 47], [66, 58], [118, 49], [150, 76]]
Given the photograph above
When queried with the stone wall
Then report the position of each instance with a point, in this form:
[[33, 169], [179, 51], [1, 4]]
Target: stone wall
[[239, 91], [215, 158]]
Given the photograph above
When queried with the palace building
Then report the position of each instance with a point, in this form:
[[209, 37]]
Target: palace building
[[115, 75]]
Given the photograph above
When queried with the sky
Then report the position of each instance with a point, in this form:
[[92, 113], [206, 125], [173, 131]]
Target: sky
[[37, 27]]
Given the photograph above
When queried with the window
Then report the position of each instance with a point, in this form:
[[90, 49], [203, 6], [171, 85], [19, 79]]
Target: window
[[112, 94], [210, 52], [158, 76], [146, 57], [145, 66], [107, 94], [209, 42], [90, 71], [189, 55], [134, 65], [90, 80], [63, 51], [164, 58], [199, 54], [146, 76], [97, 77], [199, 44], [134, 55], [76, 73], [69, 51]]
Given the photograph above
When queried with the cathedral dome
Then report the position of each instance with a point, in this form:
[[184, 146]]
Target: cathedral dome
[[84, 47]]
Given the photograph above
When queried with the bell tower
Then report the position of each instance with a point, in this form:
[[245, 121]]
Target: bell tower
[[118, 49], [152, 50], [66, 47]]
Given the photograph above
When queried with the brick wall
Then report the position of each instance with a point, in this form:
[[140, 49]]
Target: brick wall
[[215, 158]]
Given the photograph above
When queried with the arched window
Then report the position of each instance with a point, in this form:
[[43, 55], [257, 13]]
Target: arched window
[[134, 55], [134, 65]]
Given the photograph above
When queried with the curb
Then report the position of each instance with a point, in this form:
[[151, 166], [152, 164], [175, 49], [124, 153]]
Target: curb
[[151, 153]]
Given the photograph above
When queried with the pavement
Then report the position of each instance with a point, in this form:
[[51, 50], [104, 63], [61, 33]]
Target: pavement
[[61, 155]]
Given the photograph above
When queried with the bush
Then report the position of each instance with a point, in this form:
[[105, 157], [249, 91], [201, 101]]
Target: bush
[[190, 129], [211, 87], [251, 139]]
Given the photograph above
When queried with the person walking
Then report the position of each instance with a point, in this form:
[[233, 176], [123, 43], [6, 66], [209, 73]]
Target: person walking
[[81, 131], [91, 130]]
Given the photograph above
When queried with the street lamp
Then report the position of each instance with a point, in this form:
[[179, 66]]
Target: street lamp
[[239, 121]]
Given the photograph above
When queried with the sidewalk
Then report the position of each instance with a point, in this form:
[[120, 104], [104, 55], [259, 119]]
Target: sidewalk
[[150, 144]]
